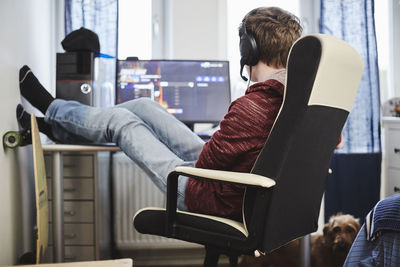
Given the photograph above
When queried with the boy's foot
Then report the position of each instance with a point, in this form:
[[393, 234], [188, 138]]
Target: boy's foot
[[33, 91], [23, 118], [24, 122]]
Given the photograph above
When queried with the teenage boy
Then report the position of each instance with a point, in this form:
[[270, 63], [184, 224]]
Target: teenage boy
[[158, 142]]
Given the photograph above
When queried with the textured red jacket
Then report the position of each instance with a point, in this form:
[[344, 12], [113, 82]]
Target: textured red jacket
[[235, 147]]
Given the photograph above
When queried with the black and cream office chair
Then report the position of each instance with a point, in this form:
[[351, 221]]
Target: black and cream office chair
[[285, 187]]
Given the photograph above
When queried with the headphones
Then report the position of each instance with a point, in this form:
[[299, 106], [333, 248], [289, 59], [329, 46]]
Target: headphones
[[248, 48]]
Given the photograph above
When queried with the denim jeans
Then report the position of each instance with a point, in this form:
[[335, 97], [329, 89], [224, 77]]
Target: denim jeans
[[145, 131]]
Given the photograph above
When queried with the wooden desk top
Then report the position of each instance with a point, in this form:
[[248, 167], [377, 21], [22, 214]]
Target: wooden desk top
[[80, 148]]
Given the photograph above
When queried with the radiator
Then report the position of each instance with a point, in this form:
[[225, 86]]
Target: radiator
[[133, 190]]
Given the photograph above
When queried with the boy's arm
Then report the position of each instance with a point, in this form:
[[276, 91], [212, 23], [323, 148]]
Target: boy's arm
[[244, 129]]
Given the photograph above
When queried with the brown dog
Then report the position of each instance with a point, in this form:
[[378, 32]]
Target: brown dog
[[327, 250], [331, 248]]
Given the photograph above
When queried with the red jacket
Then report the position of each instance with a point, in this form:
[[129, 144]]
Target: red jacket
[[235, 147]]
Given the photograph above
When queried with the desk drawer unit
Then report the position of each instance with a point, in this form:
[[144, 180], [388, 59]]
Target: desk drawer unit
[[85, 178], [393, 147], [391, 182], [76, 234], [75, 189], [76, 211], [74, 165]]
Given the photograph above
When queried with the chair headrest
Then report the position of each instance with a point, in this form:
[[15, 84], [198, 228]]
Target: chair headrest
[[339, 73]]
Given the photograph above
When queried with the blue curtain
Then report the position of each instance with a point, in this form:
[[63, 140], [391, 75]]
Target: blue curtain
[[100, 16], [354, 185]]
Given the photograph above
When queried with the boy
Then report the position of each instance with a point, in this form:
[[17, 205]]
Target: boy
[[158, 142]]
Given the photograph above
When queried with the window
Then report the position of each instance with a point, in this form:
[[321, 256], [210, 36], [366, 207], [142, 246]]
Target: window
[[135, 29], [382, 38]]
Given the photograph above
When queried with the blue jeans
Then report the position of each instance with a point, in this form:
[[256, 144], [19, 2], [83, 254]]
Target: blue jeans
[[145, 131]]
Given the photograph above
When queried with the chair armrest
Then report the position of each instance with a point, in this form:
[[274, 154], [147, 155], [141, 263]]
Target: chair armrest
[[227, 176], [216, 175]]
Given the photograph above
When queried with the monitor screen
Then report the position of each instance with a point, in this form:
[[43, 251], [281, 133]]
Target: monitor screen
[[193, 91]]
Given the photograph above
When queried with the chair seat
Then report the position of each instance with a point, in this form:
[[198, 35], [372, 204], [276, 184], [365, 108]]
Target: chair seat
[[147, 221]]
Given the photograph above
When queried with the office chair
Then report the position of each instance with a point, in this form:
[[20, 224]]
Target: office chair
[[285, 187]]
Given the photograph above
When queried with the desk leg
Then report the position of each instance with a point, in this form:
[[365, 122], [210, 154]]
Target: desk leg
[[58, 207]]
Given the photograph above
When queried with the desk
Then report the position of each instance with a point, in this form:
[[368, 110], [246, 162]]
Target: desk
[[58, 189]]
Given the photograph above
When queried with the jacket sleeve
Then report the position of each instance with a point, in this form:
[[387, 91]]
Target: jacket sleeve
[[239, 133]]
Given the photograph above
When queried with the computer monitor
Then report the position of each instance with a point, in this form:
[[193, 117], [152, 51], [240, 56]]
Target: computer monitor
[[194, 91]]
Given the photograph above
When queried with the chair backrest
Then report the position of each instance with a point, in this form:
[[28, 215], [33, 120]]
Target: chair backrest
[[323, 74]]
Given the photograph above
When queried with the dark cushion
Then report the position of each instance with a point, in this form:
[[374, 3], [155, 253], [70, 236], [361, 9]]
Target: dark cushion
[[151, 221]]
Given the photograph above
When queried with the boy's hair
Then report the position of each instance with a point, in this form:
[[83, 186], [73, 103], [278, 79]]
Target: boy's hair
[[275, 31]]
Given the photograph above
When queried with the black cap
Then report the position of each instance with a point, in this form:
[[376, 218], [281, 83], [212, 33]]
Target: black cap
[[81, 40]]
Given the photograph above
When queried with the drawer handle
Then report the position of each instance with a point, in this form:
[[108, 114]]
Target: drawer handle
[[69, 236], [396, 150], [69, 212], [396, 189], [69, 189], [70, 258]]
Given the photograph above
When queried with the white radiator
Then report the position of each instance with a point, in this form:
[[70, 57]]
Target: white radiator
[[133, 190]]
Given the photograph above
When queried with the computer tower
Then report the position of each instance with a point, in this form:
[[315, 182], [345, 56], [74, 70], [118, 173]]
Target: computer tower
[[75, 75], [86, 77]]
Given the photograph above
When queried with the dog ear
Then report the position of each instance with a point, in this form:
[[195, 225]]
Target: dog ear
[[328, 238]]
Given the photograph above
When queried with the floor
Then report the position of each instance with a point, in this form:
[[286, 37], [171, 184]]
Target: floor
[[191, 257]]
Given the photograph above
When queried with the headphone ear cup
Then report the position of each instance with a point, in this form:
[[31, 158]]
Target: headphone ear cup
[[248, 50]]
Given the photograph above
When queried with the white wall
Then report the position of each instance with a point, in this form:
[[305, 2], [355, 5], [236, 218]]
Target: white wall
[[27, 30]]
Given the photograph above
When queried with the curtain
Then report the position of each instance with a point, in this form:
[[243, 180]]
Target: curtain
[[354, 185], [100, 16]]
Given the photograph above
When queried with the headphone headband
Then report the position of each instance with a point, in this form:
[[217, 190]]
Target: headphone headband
[[248, 47]]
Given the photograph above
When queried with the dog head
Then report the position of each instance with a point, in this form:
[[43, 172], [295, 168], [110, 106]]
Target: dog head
[[340, 232]]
